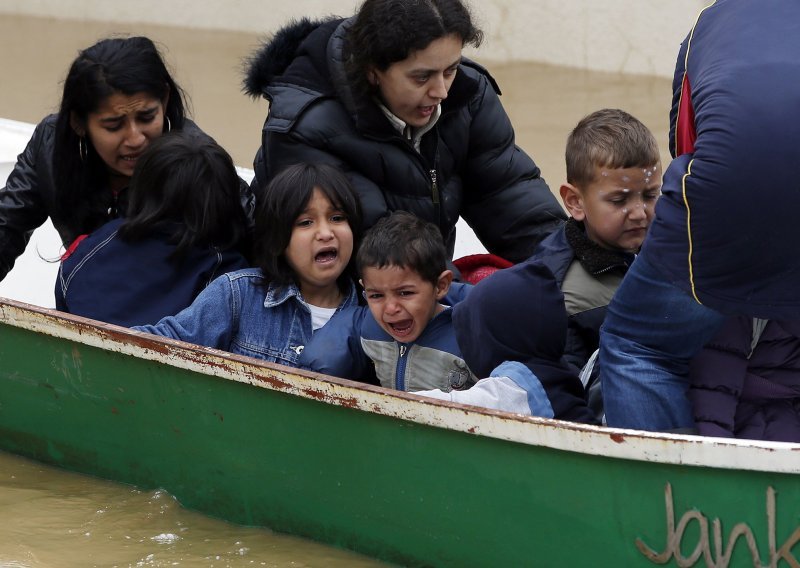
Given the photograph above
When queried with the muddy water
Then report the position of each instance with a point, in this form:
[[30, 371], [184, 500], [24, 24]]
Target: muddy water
[[52, 518]]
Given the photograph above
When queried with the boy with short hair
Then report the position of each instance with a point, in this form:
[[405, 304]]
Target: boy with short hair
[[405, 335], [613, 182]]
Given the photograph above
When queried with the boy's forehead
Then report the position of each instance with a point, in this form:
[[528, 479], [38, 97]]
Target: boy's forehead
[[648, 175], [389, 275]]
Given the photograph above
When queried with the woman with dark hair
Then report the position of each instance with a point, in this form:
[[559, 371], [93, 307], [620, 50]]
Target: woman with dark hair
[[387, 96], [306, 229], [182, 228], [118, 97]]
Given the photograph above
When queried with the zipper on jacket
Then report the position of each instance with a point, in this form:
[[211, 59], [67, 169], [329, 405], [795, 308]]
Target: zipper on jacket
[[434, 187], [400, 369]]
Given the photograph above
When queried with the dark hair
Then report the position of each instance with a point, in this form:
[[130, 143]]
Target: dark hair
[[185, 183], [406, 241], [116, 65], [608, 138], [388, 31], [283, 201]]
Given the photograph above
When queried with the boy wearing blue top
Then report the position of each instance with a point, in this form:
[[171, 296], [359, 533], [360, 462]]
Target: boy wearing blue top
[[405, 335], [547, 311]]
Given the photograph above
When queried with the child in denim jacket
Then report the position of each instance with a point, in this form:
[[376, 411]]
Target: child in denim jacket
[[306, 226]]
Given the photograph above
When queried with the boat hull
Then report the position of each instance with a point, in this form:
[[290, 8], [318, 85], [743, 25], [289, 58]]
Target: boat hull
[[388, 474]]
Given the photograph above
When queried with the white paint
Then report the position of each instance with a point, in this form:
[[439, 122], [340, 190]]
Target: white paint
[[628, 36]]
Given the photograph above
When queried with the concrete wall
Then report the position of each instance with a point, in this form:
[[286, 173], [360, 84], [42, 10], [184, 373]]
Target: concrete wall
[[628, 36]]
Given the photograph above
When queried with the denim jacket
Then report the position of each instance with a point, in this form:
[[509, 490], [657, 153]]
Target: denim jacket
[[236, 314]]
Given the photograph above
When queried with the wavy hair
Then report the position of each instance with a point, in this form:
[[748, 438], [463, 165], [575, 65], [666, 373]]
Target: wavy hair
[[388, 31]]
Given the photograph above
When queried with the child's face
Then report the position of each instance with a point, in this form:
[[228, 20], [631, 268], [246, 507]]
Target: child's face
[[401, 301], [319, 249], [617, 206]]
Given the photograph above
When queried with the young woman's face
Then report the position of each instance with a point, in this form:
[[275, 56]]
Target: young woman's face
[[412, 88], [122, 127], [319, 250]]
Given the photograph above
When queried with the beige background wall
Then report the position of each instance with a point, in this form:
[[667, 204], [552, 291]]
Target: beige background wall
[[627, 36]]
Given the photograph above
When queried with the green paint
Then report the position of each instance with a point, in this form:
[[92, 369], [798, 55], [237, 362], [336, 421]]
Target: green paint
[[393, 489]]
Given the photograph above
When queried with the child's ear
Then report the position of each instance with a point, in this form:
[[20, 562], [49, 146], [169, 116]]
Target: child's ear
[[443, 284], [573, 201]]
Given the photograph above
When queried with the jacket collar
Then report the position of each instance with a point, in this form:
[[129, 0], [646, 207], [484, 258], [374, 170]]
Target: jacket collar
[[279, 293], [594, 258], [367, 115]]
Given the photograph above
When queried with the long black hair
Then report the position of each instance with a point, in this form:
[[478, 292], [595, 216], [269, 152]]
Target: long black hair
[[115, 65], [388, 31], [284, 200], [185, 184]]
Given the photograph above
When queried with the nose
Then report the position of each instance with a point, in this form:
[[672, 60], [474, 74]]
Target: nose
[[392, 306], [438, 88], [638, 210], [135, 136], [324, 231]]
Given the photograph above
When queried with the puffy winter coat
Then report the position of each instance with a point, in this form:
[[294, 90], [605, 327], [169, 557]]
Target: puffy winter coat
[[468, 164], [29, 197], [745, 391], [726, 225]]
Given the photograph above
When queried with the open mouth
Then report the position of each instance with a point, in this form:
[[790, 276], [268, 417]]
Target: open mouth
[[401, 328], [326, 256]]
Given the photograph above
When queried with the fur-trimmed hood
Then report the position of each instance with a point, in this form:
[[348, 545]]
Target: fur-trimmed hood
[[275, 55]]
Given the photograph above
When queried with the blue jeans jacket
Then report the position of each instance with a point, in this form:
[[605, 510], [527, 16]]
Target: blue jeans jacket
[[237, 313]]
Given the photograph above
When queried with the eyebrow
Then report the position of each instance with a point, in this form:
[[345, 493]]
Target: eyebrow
[[456, 63], [119, 117]]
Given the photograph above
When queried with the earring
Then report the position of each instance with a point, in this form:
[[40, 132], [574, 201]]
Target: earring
[[82, 151], [169, 126]]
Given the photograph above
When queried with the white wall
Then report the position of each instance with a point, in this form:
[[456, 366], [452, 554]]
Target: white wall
[[629, 36]]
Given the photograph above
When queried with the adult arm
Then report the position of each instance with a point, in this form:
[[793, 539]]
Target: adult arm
[[506, 201], [279, 149], [22, 208]]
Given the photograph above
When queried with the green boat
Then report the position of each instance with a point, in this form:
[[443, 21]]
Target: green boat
[[393, 475]]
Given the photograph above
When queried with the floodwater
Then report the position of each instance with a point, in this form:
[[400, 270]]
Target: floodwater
[[53, 518]]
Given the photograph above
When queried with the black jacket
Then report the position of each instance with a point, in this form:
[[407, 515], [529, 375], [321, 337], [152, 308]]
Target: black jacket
[[29, 197], [480, 174]]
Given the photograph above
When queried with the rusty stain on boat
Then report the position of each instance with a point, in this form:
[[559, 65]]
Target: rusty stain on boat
[[626, 444]]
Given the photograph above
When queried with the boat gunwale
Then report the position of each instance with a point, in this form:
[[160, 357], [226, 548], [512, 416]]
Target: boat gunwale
[[636, 445]]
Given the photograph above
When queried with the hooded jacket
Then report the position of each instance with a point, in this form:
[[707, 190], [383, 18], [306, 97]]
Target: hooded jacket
[[468, 164], [726, 227], [518, 314], [29, 197]]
